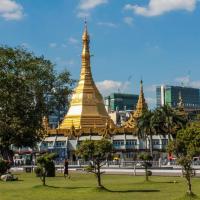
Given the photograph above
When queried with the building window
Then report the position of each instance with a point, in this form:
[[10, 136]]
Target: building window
[[50, 144], [131, 142], [118, 142], [164, 141], [155, 142], [45, 144], [60, 143]]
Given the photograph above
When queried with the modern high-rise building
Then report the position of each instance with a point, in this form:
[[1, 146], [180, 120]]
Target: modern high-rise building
[[170, 95], [120, 102]]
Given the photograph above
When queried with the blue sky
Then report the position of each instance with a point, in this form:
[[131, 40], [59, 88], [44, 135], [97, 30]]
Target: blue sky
[[157, 40]]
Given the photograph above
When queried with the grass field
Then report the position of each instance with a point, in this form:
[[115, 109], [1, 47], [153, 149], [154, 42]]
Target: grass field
[[83, 187]]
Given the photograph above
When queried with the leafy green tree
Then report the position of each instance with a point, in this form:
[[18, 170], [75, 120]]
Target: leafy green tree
[[45, 167], [146, 159], [185, 147], [27, 82], [97, 153], [170, 122]]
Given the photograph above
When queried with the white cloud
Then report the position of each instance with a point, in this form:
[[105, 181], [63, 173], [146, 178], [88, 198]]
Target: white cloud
[[90, 4], [82, 14], [185, 81], [108, 24], [108, 86], [128, 20], [85, 6], [11, 10], [73, 40], [159, 7], [195, 84], [53, 45]]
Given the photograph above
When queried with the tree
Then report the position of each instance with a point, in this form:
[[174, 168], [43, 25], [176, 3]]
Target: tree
[[146, 127], [185, 147], [97, 153], [146, 163], [45, 167], [170, 122], [26, 83]]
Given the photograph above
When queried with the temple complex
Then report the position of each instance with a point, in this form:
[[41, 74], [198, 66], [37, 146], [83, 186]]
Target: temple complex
[[87, 118]]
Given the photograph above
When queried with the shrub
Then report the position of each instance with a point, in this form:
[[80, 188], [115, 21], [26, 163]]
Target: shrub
[[45, 167], [4, 166], [50, 169], [38, 171]]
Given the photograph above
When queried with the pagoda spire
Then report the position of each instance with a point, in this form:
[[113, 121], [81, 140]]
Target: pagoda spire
[[140, 109], [141, 104], [86, 106], [85, 68]]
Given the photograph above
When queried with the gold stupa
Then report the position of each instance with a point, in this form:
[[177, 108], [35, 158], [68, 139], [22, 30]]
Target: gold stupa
[[140, 109], [87, 109]]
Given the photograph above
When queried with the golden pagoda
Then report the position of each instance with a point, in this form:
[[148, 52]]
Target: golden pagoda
[[140, 109], [87, 109], [141, 104]]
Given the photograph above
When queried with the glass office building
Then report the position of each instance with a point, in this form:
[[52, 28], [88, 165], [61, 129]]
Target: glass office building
[[120, 101], [170, 95]]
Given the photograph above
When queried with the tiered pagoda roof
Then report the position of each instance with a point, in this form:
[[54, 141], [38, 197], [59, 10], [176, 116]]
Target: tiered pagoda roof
[[87, 113], [140, 109]]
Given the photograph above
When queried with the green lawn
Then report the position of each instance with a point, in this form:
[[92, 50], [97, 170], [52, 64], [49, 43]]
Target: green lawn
[[83, 187]]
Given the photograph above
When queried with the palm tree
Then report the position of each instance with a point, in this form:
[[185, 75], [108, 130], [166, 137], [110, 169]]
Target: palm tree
[[146, 126], [169, 121]]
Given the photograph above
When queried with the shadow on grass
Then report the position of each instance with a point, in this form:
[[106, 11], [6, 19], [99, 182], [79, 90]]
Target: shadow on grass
[[57, 187], [125, 191], [189, 197], [170, 182]]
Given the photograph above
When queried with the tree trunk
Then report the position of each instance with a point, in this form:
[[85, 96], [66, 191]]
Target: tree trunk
[[44, 178], [151, 145], [188, 178], [146, 174], [98, 174]]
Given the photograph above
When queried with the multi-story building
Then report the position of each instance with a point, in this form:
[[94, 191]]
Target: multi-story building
[[120, 102], [170, 95]]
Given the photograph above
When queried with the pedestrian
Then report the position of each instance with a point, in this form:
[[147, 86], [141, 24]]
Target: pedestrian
[[66, 169]]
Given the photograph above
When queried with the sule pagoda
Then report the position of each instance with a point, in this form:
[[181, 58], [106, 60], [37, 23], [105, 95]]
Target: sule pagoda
[[87, 117]]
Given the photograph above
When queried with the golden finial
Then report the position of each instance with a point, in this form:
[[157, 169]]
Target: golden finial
[[85, 36], [141, 85]]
